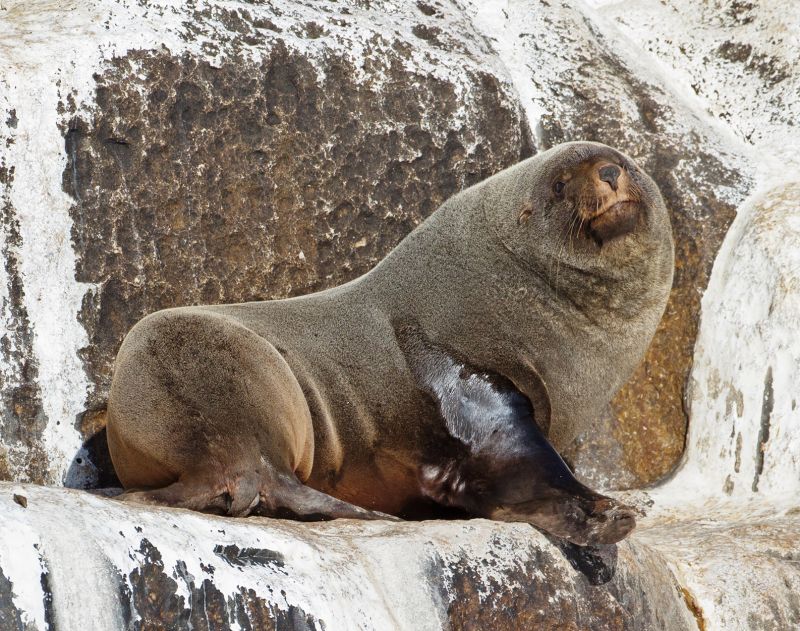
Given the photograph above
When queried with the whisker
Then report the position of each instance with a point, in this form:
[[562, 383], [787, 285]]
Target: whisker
[[561, 248], [572, 232]]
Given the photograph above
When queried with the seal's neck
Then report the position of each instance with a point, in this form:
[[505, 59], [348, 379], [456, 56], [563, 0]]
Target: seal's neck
[[455, 268]]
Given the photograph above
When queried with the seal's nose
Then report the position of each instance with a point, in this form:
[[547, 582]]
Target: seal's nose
[[610, 174]]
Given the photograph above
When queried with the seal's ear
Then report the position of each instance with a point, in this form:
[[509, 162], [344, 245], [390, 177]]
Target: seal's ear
[[525, 212], [540, 399]]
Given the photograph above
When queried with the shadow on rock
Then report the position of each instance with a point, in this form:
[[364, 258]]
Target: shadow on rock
[[597, 563], [91, 468]]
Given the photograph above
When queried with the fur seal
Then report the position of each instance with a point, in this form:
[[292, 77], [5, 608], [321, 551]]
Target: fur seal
[[449, 375]]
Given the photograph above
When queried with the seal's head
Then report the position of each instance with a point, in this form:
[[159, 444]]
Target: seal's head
[[599, 196], [583, 205]]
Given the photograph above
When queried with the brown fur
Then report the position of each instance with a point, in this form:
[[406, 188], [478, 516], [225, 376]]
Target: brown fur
[[243, 407]]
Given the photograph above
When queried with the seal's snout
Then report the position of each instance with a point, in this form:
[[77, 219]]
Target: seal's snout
[[604, 199], [618, 220]]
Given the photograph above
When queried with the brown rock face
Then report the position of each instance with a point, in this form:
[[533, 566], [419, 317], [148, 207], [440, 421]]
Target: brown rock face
[[249, 181], [153, 596], [603, 594]]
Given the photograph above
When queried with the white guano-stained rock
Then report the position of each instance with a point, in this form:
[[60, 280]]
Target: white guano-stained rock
[[744, 445], [77, 561]]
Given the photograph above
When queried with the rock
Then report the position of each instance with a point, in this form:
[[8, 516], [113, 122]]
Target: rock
[[727, 519], [746, 363], [147, 568], [78, 561]]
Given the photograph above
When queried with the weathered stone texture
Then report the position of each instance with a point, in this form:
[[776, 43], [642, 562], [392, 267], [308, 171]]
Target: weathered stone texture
[[250, 181], [613, 587], [153, 596], [10, 615], [22, 418], [180, 570]]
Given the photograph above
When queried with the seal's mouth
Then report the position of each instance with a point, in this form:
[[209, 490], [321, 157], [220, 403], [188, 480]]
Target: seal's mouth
[[615, 221]]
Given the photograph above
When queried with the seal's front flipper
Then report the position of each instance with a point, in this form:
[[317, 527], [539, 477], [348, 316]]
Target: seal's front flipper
[[530, 482], [286, 497], [506, 468], [534, 484], [574, 518]]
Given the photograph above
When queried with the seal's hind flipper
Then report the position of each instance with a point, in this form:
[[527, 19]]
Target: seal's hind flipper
[[235, 498], [288, 498], [265, 494]]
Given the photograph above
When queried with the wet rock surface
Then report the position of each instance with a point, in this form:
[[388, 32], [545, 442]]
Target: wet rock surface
[[593, 595]]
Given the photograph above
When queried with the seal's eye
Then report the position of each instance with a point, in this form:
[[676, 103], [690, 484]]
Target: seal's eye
[[558, 188]]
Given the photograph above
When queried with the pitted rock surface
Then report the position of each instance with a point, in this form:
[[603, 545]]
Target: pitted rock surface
[[197, 184]]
